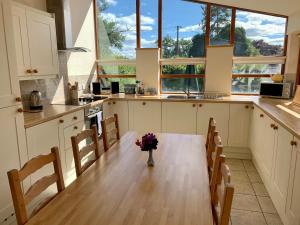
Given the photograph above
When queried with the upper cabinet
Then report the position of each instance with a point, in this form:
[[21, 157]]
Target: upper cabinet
[[9, 87], [35, 41]]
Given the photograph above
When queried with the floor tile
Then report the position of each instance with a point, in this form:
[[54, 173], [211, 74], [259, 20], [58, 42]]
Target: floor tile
[[239, 176], [249, 166], [243, 188], [260, 189], [273, 219], [245, 202], [235, 164], [240, 217], [254, 177], [266, 204]]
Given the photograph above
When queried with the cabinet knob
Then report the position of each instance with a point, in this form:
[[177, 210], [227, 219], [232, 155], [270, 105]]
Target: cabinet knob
[[261, 115], [75, 118], [28, 71], [75, 127], [35, 71], [144, 103], [272, 125], [109, 103], [20, 110], [293, 143], [18, 99], [114, 103], [247, 106], [194, 105], [200, 105], [252, 107], [61, 121], [275, 127]]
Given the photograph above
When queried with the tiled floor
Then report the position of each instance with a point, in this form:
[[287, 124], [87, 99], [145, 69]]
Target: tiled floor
[[251, 202]]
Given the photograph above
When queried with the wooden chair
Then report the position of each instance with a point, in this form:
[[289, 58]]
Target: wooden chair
[[215, 173], [214, 141], [79, 154], [107, 143], [15, 178], [223, 195], [211, 124]]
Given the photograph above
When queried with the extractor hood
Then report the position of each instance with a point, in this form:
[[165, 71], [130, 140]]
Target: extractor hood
[[63, 21]]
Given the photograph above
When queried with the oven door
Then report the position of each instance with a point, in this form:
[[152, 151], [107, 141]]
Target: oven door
[[94, 119]]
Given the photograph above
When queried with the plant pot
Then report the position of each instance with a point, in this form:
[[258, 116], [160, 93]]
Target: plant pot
[[150, 161]]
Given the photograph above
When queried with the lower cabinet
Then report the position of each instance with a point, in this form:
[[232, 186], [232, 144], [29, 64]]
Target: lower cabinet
[[179, 117], [13, 148], [144, 116]]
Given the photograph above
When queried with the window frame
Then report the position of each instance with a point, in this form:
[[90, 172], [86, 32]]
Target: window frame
[[207, 43]]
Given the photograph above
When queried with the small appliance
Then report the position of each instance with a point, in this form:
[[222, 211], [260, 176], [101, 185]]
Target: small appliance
[[276, 90], [130, 89], [35, 102], [115, 87], [96, 88]]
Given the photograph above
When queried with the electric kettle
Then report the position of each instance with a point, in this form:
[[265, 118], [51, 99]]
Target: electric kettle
[[35, 102]]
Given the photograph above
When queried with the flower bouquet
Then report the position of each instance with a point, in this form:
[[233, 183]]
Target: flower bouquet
[[148, 143]]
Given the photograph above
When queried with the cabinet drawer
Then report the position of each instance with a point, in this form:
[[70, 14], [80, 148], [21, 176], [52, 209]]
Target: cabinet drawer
[[72, 118], [72, 130]]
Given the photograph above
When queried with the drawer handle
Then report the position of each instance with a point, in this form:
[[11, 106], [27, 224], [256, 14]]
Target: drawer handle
[[75, 128], [144, 103], [247, 106], [75, 118], [252, 107], [194, 105], [20, 110], [28, 71], [18, 99], [35, 71], [200, 105], [293, 143], [109, 103], [114, 103], [275, 127], [61, 121], [272, 125], [261, 115]]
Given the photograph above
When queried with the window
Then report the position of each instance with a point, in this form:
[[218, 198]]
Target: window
[[260, 41]]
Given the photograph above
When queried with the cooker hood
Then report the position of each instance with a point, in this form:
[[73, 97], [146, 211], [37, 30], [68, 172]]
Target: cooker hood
[[63, 21]]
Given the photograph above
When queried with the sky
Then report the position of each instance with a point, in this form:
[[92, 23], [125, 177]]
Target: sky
[[188, 16]]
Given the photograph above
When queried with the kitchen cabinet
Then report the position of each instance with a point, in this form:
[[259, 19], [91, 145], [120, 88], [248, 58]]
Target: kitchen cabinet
[[13, 149], [239, 119], [179, 117], [9, 87], [144, 116], [293, 199], [121, 108], [220, 112], [35, 41]]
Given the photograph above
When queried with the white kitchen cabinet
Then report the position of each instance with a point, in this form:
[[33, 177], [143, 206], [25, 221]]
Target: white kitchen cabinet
[[13, 149], [144, 116], [35, 41], [121, 108], [239, 119], [9, 87], [220, 112], [179, 117], [293, 199]]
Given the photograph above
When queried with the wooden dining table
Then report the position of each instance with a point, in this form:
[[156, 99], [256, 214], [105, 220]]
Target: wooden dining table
[[120, 189]]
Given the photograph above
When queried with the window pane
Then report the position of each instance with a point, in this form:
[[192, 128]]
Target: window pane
[[257, 69], [122, 82], [183, 69], [259, 34], [220, 25], [247, 85], [180, 85], [117, 70], [183, 29], [117, 29], [149, 22]]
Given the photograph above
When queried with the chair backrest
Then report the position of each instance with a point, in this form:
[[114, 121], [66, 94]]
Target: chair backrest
[[16, 177], [214, 141], [211, 123], [107, 134], [79, 154], [223, 195]]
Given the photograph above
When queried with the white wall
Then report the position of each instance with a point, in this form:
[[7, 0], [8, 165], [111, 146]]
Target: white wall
[[39, 4], [294, 23]]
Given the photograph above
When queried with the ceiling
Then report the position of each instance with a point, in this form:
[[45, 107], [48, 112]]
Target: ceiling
[[282, 7]]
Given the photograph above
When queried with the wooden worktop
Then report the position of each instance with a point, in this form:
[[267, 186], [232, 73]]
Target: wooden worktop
[[282, 111]]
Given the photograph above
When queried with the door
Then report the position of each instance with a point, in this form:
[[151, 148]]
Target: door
[[21, 40], [9, 87], [293, 200], [220, 112], [239, 125], [145, 116], [13, 148], [42, 43]]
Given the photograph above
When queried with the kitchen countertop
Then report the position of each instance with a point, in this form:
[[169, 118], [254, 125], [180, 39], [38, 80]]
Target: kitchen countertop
[[282, 111]]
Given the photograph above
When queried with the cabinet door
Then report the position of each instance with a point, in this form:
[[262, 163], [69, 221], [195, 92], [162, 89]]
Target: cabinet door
[[220, 112], [293, 200], [179, 117], [121, 108], [42, 43], [13, 148], [281, 168], [9, 87], [144, 116], [21, 40], [107, 109], [239, 125]]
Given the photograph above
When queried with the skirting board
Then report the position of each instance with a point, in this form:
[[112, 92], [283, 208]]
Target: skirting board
[[237, 152]]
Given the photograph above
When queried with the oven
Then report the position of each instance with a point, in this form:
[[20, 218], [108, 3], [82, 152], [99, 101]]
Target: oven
[[93, 116]]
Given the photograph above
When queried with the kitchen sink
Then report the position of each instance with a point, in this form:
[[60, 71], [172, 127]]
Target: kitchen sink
[[202, 96], [182, 97]]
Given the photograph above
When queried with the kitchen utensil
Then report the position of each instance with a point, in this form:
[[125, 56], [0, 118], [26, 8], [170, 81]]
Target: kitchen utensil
[[35, 102]]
